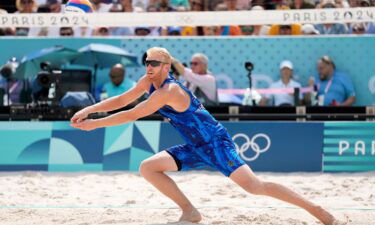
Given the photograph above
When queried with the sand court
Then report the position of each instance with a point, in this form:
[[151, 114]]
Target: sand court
[[126, 198]]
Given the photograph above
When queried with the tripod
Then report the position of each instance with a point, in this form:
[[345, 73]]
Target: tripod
[[249, 67]]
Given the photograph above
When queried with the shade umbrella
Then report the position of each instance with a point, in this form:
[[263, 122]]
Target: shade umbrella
[[99, 55], [105, 56], [56, 56]]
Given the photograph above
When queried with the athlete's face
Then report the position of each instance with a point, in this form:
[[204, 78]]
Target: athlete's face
[[155, 66]]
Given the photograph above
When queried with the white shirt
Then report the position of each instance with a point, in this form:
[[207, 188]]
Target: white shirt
[[279, 99], [206, 82]]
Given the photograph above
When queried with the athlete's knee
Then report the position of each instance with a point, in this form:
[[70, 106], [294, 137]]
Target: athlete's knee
[[145, 167], [256, 187]]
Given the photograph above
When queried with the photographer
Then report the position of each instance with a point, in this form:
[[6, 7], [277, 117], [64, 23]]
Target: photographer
[[14, 91]]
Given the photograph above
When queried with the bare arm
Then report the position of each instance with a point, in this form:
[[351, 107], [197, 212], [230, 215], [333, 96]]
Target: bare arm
[[179, 67], [115, 102], [157, 100], [348, 102]]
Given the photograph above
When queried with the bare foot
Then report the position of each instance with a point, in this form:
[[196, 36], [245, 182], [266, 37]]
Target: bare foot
[[192, 216], [324, 216]]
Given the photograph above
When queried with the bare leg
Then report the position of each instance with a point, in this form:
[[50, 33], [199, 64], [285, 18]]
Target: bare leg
[[153, 168], [245, 177]]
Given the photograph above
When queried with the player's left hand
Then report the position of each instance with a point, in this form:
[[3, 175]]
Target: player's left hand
[[87, 125]]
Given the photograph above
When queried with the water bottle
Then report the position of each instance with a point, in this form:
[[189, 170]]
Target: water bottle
[[314, 96], [52, 91]]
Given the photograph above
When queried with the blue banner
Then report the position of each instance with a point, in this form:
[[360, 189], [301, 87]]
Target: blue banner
[[279, 146], [55, 146], [349, 146]]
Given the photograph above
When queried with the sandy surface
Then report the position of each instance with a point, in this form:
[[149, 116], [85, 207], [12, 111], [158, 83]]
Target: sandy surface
[[126, 198]]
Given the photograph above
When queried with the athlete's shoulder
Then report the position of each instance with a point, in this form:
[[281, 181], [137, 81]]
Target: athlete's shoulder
[[144, 82]]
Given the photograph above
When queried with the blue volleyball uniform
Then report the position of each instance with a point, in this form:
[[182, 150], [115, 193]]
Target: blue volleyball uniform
[[207, 141]]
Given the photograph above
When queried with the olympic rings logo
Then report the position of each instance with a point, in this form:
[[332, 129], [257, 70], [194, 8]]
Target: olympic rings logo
[[186, 19], [252, 144]]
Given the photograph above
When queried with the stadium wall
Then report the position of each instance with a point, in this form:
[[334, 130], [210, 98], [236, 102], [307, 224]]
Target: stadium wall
[[265, 146]]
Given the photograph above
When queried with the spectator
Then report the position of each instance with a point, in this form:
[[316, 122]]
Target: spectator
[[197, 5], [211, 30], [22, 31], [210, 5], [243, 4], [66, 32], [178, 3], [102, 31], [54, 6], [282, 5], [334, 88], [26, 6], [142, 31], [143, 4], [329, 28], [151, 8], [247, 30], [164, 6], [358, 28], [302, 4], [198, 79], [119, 82], [99, 6], [286, 82], [370, 28], [174, 31], [286, 29], [309, 29], [231, 5], [359, 3]]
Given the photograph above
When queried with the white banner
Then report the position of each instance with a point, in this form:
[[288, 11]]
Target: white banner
[[254, 17]]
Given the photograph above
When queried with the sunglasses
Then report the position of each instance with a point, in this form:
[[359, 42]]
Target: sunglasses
[[153, 63], [194, 63], [27, 2], [66, 34]]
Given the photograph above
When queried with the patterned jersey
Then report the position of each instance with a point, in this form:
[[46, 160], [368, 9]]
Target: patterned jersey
[[196, 125]]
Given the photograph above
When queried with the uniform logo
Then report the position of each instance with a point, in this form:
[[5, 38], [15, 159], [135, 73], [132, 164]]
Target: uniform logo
[[254, 144]]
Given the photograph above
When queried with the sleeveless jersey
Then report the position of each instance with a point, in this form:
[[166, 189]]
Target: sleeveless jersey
[[196, 125]]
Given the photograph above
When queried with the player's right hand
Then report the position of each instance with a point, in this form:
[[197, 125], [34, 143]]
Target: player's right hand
[[80, 116]]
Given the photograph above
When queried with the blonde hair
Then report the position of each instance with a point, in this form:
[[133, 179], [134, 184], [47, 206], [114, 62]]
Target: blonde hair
[[20, 6], [161, 51]]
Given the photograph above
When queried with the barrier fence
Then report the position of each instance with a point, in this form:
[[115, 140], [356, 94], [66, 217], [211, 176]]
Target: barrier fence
[[314, 16], [265, 146]]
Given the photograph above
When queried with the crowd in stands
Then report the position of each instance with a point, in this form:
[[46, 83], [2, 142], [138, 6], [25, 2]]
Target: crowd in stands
[[135, 6]]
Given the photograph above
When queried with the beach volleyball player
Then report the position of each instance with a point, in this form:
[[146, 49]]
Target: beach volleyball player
[[207, 141]]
